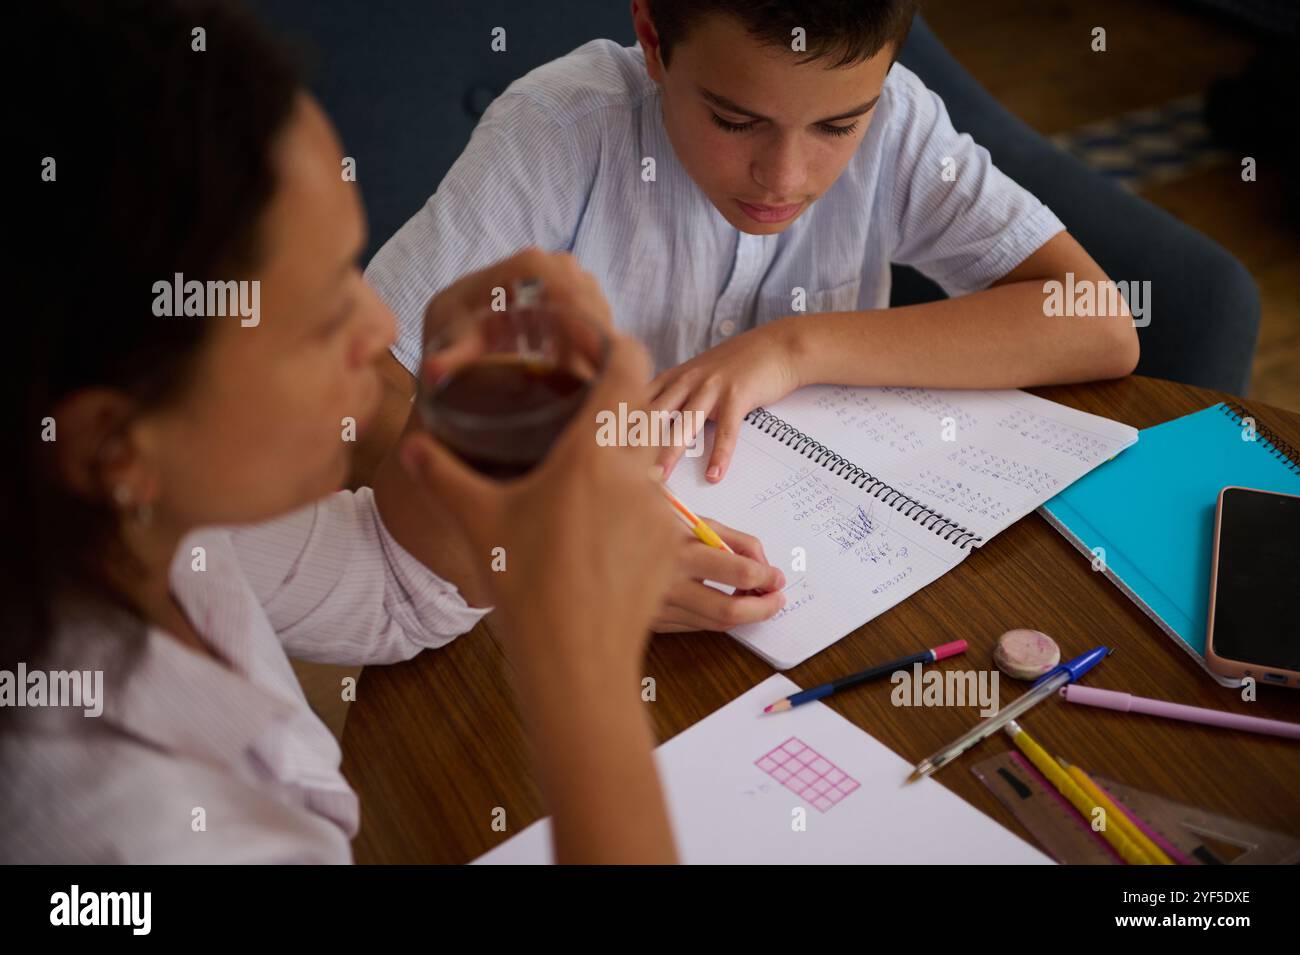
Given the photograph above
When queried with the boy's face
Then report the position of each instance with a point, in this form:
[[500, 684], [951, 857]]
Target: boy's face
[[763, 136]]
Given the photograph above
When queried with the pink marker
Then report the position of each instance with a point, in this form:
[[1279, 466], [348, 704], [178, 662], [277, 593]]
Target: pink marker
[[1127, 703]]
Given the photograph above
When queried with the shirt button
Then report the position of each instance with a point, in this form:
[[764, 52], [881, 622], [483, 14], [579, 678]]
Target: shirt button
[[726, 327]]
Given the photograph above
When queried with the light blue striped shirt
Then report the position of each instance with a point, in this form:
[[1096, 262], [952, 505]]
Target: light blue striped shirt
[[556, 162]]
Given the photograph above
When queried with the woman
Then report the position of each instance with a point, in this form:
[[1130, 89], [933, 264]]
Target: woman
[[172, 480]]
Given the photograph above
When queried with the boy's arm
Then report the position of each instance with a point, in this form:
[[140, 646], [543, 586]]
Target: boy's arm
[[1001, 337]]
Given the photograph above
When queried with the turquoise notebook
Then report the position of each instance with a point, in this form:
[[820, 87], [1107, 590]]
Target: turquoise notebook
[[1152, 507]]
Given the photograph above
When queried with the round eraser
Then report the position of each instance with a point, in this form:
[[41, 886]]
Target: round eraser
[[1026, 654]]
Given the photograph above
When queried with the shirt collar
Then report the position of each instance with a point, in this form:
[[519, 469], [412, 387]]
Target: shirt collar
[[160, 690]]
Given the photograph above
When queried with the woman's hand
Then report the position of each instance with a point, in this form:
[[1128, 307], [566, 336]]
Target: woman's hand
[[688, 604], [588, 544], [587, 550], [567, 286]]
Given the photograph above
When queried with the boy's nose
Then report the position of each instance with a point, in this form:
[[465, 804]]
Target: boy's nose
[[780, 171]]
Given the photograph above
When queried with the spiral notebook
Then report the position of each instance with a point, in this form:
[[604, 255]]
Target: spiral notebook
[[1147, 518], [862, 496]]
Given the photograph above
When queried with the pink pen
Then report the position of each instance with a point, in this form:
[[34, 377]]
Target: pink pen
[[1127, 703]]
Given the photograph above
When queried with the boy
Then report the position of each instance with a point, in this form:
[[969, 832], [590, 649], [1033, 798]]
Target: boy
[[739, 184]]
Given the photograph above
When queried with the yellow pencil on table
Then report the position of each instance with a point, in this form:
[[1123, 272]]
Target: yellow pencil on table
[[701, 530], [1074, 794], [1116, 816]]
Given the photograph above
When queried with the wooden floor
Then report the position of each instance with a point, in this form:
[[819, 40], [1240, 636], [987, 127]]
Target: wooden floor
[[1035, 56]]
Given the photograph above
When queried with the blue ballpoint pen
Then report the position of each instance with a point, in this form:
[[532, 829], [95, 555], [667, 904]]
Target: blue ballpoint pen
[[1043, 687]]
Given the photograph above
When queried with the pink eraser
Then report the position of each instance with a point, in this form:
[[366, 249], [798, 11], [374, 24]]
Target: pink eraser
[[1026, 654], [949, 650]]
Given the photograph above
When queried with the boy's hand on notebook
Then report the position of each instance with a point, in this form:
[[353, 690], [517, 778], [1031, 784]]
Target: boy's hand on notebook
[[724, 384], [691, 604]]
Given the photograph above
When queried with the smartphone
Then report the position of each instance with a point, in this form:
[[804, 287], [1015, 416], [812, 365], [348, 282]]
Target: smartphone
[[1252, 629]]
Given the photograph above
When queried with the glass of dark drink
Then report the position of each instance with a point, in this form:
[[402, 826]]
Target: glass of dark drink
[[498, 387]]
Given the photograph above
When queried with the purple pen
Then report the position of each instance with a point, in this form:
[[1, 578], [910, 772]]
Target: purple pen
[[1127, 703]]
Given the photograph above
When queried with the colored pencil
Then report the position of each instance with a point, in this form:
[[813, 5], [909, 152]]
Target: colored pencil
[[1074, 794], [701, 530], [853, 679]]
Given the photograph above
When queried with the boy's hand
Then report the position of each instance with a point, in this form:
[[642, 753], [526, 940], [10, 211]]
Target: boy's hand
[[726, 383], [691, 604]]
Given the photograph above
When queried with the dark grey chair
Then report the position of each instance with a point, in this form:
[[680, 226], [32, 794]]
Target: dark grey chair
[[405, 83]]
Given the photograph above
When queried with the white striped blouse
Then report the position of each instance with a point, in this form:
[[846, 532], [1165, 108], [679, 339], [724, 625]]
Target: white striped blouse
[[193, 761]]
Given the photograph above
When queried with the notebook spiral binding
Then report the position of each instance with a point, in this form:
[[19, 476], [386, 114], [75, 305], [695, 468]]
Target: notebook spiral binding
[[1273, 441], [822, 456]]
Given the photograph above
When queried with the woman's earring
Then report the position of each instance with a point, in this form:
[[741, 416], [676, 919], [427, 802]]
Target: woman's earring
[[143, 511]]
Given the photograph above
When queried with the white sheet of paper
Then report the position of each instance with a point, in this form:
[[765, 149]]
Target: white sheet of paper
[[725, 808]]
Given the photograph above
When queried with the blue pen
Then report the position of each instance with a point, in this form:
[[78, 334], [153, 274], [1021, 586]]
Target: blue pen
[[1043, 687]]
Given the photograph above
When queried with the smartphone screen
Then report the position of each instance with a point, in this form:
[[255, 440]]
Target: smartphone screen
[[1256, 619]]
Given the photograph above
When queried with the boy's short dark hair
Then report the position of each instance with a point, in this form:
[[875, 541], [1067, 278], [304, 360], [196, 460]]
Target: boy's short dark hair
[[843, 31]]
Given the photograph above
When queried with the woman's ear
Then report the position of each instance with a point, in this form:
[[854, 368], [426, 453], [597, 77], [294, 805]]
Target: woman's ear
[[96, 449]]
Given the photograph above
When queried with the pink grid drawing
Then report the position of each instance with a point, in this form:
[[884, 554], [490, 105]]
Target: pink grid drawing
[[804, 771]]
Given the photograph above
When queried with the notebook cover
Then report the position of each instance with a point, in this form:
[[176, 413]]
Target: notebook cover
[[1152, 507]]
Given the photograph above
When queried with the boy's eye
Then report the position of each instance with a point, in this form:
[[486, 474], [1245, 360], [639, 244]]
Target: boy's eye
[[830, 130], [827, 128], [731, 127]]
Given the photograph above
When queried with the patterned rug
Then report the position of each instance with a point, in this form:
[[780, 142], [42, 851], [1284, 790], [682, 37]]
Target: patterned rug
[[1149, 146]]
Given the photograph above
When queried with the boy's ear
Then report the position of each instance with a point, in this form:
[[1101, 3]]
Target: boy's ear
[[649, 39]]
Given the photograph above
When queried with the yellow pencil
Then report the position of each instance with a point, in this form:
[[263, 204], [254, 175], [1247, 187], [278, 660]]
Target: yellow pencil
[[701, 530], [1128, 850], [1117, 816]]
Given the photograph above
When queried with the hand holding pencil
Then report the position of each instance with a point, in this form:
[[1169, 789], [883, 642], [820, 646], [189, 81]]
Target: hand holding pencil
[[729, 557], [698, 527]]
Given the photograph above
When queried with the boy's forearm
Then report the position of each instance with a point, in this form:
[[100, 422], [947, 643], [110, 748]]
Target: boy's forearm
[[1002, 337], [997, 338]]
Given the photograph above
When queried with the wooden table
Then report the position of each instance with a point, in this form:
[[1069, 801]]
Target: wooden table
[[434, 745]]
